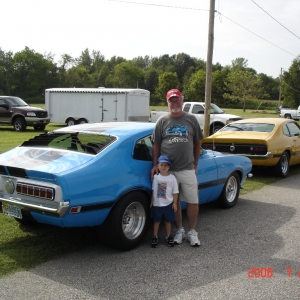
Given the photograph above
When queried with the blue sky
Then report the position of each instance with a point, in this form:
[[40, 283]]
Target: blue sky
[[157, 27]]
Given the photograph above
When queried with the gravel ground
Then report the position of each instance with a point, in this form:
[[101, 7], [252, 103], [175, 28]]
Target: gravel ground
[[261, 231]]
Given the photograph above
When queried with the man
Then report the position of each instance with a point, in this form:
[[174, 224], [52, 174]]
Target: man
[[177, 135]]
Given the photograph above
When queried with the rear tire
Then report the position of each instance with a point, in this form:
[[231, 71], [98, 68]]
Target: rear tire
[[283, 166], [39, 127], [20, 124], [287, 116], [230, 192], [127, 223]]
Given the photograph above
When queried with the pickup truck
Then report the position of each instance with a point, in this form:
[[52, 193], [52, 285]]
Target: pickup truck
[[16, 112], [290, 113], [218, 118]]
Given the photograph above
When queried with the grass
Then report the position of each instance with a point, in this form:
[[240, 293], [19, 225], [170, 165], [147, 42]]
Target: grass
[[22, 248]]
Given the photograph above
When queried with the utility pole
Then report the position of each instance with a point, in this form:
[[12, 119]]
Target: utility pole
[[208, 83], [280, 86]]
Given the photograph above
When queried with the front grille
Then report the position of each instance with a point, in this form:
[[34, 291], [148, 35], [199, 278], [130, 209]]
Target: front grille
[[237, 149], [35, 191], [42, 114]]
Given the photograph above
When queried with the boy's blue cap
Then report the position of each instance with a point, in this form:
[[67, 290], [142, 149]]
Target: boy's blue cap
[[165, 159]]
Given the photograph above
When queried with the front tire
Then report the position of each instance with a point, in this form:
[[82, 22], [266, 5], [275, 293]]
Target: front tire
[[39, 127], [215, 128], [127, 223], [231, 191], [283, 166], [71, 122], [20, 124]]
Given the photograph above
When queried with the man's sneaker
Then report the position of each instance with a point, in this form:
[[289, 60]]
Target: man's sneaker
[[170, 241], [179, 236], [154, 242], [192, 238]]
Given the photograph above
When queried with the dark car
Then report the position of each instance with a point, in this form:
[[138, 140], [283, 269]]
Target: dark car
[[15, 111], [278, 109]]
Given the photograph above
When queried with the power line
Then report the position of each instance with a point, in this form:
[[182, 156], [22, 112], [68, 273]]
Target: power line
[[190, 8], [258, 35], [276, 20], [291, 87], [151, 4]]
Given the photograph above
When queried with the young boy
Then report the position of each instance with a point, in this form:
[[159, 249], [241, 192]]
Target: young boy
[[164, 200]]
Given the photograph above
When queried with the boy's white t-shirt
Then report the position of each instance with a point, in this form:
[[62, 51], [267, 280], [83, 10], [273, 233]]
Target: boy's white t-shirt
[[163, 189]]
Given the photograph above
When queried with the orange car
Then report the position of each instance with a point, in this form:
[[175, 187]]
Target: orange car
[[270, 142]]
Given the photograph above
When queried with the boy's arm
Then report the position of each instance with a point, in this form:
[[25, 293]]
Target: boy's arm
[[175, 201]]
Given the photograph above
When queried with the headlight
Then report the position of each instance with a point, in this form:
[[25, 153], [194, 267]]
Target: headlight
[[31, 114]]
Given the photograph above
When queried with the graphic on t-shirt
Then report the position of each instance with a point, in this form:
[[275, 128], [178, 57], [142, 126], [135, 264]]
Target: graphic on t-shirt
[[178, 134], [162, 189]]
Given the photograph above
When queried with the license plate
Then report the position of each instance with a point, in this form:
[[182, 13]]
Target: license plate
[[12, 210]]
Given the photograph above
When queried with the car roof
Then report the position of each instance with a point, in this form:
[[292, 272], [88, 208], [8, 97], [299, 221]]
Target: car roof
[[120, 128], [276, 121]]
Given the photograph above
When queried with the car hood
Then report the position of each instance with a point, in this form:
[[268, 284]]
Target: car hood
[[44, 160], [234, 117], [237, 137]]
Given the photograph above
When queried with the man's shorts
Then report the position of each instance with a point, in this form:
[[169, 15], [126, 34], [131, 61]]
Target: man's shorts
[[165, 213], [188, 186]]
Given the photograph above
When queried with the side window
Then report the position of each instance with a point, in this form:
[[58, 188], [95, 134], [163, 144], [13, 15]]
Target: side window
[[293, 128], [143, 149], [198, 109], [286, 131], [187, 107]]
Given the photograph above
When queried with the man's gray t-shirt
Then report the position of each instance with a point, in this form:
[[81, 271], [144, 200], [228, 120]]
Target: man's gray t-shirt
[[176, 136]]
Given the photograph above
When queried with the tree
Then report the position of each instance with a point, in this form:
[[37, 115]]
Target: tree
[[291, 84], [166, 81], [243, 86], [195, 87]]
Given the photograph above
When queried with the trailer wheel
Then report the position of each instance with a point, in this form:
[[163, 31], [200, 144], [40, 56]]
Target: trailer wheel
[[82, 121], [71, 122]]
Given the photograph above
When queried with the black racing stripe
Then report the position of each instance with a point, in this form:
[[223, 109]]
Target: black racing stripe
[[210, 184], [3, 170], [97, 206], [17, 172]]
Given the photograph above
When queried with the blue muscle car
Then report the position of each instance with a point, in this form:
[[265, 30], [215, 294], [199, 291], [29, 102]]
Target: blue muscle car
[[99, 175]]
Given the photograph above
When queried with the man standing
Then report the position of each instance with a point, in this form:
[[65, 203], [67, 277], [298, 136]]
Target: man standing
[[177, 135]]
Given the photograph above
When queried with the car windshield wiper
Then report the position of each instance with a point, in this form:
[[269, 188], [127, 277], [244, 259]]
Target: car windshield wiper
[[239, 128]]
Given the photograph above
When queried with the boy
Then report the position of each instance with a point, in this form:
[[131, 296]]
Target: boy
[[164, 200]]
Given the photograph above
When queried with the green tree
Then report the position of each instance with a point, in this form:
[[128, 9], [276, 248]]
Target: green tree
[[195, 87], [291, 84], [166, 81], [6, 72], [244, 85]]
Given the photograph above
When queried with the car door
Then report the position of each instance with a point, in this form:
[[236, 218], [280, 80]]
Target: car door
[[294, 130], [5, 113]]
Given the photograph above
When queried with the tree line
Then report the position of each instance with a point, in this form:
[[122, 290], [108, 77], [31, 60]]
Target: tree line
[[27, 74]]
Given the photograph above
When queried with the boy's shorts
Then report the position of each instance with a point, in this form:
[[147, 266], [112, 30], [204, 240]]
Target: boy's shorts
[[165, 213], [188, 186]]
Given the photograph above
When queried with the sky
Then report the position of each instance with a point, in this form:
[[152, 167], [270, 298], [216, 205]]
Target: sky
[[264, 32]]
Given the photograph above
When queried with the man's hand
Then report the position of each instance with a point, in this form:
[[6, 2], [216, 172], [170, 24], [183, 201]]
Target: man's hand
[[154, 171]]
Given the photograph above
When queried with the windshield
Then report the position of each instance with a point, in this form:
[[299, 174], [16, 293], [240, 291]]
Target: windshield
[[75, 141], [214, 109], [256, 127], [15, 101]]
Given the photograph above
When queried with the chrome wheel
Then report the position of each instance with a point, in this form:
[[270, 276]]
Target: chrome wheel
[[133, 221], [231, 189]]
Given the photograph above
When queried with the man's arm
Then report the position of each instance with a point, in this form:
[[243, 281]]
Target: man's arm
[[197, 146], [155, 155]]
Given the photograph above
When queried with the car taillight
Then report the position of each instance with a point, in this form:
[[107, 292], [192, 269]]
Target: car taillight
[[258, 149], [207, 147], [35, 191]]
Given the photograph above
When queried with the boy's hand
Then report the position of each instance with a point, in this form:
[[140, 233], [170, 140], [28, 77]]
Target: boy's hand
[[174, 206]]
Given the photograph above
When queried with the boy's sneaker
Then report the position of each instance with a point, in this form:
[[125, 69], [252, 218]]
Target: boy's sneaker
[[192, 238], [170, 241], [179, 236], [154, 242]]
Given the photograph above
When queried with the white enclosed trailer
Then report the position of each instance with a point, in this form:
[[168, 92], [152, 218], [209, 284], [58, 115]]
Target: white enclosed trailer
[[89, 105]]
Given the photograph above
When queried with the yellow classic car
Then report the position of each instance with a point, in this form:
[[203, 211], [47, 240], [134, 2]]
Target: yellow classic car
[[270, 142]]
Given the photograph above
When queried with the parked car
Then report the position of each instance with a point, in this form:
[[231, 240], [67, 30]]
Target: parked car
[[278, 109], [16, 112], [98, 174], [270, 142]]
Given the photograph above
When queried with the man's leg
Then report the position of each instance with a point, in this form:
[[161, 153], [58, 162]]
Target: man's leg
[[192, 212]]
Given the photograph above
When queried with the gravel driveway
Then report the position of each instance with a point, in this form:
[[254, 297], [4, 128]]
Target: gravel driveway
[[259, 238]]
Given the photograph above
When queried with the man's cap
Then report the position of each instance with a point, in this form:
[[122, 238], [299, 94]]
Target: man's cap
[[165, 159], [173, 93]]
